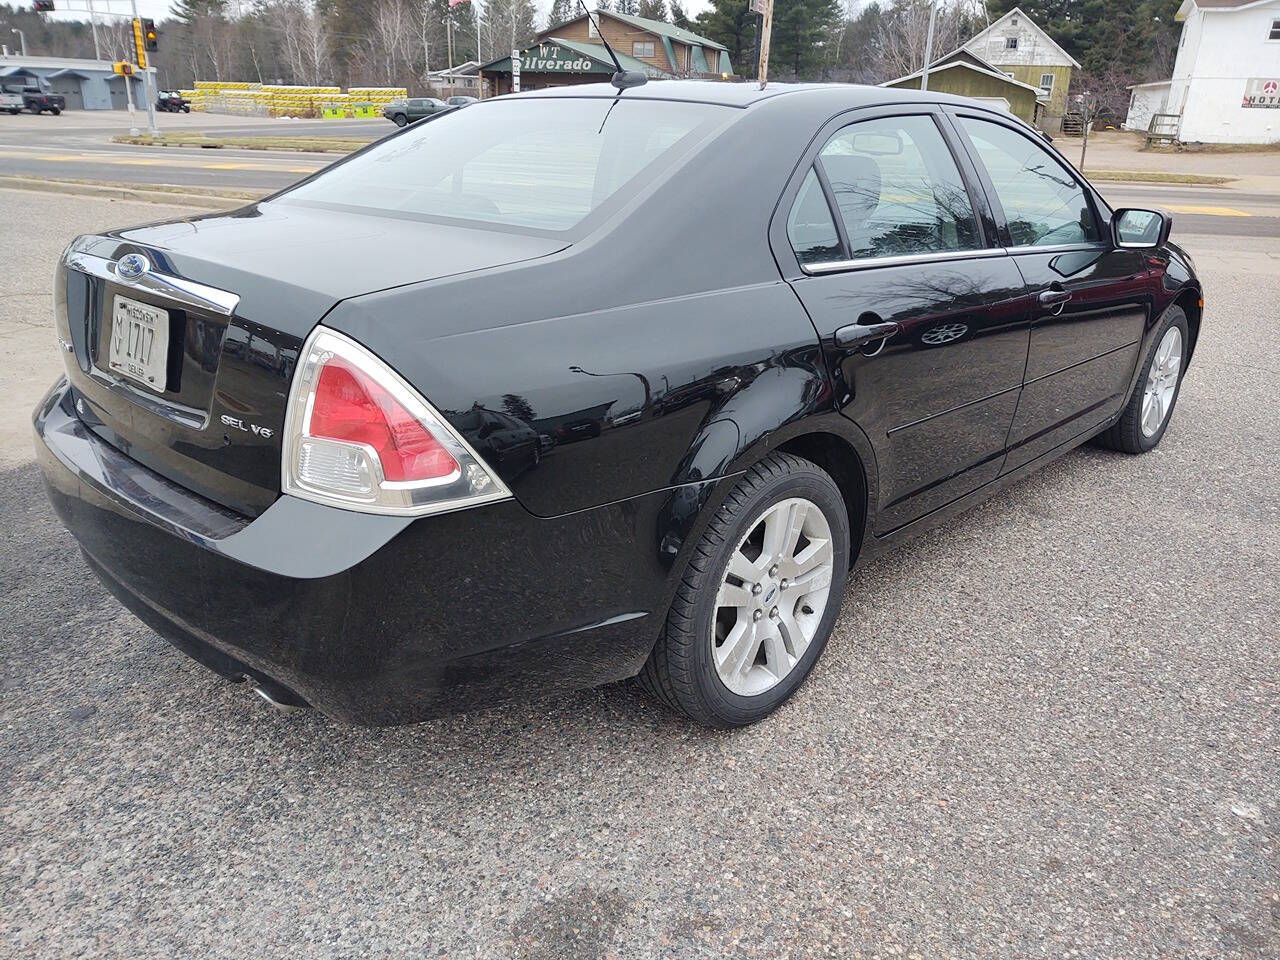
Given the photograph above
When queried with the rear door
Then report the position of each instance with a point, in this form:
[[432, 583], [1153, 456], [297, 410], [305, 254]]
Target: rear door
[[1089, 298], [911, 246]]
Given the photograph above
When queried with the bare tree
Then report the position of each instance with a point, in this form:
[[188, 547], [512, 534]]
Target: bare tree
[[1100, 97], [903, 30]]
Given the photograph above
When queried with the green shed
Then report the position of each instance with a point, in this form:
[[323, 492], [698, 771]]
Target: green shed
[[964, 78]]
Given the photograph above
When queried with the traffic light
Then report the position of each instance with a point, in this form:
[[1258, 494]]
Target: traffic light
[[123, 67], [151, 39], [43, 6]]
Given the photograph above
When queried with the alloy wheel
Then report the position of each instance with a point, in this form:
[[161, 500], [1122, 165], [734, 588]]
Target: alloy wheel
[[1162, 382], [772, 597]]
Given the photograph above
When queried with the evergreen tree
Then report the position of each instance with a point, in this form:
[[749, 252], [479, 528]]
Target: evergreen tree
[[188, 11], [629, 7], [800, 32], [678, 17], [562, 11], [653, 10], [731, 23]]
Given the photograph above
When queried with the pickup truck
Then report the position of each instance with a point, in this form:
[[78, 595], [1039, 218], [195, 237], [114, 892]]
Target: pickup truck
[[31, 98]]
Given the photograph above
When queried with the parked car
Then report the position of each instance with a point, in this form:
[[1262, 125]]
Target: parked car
[[171, 101], [403, 112], [461, 101], [36, 98], [11, 102], [730, 423]]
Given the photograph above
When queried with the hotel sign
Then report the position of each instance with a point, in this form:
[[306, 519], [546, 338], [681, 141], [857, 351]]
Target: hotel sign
[[1262, 92]]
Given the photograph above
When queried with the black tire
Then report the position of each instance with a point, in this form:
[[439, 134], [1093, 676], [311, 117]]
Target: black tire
[[55, 110], [400, 120], [1126, 434], [680, 672], [186, 108]]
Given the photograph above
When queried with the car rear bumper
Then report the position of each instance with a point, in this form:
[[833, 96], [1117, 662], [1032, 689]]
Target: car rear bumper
[[372, 620]]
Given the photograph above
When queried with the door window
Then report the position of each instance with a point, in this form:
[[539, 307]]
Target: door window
[[1043, 204], [898, 189]]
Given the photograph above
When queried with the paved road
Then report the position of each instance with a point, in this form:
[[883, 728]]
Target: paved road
[[83, 155], [1047, 729]]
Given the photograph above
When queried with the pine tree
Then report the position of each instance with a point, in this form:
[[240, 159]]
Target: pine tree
[[653, 10], [628, 7], [678, 17], [561, 12]]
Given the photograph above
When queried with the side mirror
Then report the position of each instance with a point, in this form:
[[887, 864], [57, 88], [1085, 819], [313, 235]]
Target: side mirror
[[1141, 228]]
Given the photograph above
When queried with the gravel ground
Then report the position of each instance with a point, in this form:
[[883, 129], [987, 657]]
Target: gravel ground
[[1046, 729]]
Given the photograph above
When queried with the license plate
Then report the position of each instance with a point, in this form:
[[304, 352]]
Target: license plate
[[139, 342]]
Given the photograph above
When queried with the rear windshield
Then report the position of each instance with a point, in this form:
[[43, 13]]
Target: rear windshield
[[537, 164]]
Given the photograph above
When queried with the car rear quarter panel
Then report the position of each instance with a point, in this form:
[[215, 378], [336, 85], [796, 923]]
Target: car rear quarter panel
[[647, 355]]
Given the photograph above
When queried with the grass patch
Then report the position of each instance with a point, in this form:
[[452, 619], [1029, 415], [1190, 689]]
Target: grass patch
[[1152, 176], [302, 144]]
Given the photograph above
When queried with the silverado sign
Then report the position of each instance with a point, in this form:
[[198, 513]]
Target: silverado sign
[[1262, 92], [553, 58]]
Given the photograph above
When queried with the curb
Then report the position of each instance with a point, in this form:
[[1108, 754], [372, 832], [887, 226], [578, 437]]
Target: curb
[[159, 193]]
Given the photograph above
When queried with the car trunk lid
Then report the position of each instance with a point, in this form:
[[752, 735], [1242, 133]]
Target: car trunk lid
[[237, 294]]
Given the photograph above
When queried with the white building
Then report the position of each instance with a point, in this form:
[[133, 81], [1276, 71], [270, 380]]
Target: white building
[[1226, 80], [1146, 100]]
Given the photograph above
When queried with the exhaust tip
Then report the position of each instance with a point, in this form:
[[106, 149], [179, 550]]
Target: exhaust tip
[[281, 698], [279, 705]]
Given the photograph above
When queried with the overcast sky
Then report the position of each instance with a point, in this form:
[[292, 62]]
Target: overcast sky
[[159, 9]]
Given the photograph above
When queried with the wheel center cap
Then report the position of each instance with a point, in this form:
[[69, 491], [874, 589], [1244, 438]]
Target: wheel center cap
[[771, 593]]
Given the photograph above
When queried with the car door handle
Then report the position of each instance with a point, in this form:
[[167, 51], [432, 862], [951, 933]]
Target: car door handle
[[860, 334], [1051, 297]]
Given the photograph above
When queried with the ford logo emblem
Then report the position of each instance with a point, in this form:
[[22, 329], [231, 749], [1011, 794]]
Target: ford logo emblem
[[131, 266]]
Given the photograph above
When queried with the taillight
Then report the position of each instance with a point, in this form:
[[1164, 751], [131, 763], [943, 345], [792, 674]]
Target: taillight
[[358, 436]]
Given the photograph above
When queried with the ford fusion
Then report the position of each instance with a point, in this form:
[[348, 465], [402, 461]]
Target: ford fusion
[[590, 384]]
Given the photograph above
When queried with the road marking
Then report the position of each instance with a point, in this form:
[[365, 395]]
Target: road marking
[[186, 161], [1207, 211]]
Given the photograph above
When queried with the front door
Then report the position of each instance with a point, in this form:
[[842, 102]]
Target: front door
[[1089, 298], [906, 253]]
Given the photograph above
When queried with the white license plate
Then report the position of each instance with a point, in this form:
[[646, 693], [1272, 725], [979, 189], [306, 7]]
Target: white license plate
[[139, 342]]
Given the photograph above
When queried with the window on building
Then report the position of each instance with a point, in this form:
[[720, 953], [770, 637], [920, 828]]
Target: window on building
[[1275, 30], [1011, 43], [1046, 84], [642, 50]]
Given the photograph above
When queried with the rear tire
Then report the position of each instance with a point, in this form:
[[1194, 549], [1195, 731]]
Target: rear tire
[[400, 120], [55, 110], [1146, 416], [746, 628]]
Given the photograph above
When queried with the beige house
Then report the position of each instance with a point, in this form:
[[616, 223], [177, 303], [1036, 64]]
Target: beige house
[[1016, 46]]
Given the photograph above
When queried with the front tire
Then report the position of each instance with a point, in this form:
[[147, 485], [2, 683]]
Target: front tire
[[1146, 416], [400, 120], [758, 599]]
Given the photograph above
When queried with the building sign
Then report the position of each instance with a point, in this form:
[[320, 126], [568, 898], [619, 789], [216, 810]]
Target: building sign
[[515, 71], [553, 58], [1262, 92]]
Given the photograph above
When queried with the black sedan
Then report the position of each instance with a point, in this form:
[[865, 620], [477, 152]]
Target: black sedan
[[586, 384]]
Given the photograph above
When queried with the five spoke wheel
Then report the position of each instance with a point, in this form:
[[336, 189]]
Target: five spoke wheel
[[772, 597], [1162, 382]]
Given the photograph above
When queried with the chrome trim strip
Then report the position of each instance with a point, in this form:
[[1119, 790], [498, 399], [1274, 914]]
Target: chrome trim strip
[[166, 285], [1058, 247], [863, 263]]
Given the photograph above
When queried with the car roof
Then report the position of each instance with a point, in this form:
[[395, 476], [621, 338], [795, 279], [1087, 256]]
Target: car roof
[[743, 94]]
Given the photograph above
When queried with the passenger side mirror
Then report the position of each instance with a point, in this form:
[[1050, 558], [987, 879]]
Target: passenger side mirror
[[1141, 228]]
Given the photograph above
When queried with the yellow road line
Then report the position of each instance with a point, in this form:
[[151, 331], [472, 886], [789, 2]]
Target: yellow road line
[[1207, 211]]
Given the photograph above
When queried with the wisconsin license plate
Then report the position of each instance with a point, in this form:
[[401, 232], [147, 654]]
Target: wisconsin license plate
[[139, 342]]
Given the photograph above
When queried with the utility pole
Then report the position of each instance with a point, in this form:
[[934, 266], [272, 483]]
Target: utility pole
[[928, 46], [766, 31], [147, 90], [93, 23]]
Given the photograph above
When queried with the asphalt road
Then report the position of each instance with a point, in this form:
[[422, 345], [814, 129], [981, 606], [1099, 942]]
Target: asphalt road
[[1046, 729]]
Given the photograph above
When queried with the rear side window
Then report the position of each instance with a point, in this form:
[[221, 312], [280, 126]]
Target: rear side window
[[1043, 204], [538, 164], [810, 228], [898, 189]]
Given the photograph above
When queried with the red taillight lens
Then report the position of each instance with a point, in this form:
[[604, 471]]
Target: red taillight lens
[[351, 406]]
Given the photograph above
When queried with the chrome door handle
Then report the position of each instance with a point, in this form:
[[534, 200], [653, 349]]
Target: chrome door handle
[[1051, 297], [860, 334]]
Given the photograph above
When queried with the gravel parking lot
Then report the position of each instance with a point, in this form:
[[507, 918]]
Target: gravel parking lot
[[1046, 729]]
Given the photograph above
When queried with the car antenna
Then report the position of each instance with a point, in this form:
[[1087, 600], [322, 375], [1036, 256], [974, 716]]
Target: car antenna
[[623, 79]]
